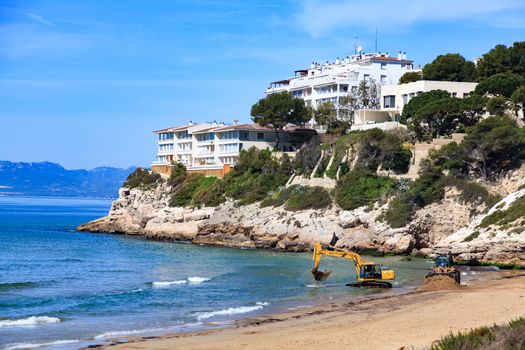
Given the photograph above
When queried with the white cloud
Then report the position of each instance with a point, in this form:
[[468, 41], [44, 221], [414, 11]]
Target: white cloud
[[318, 18], [39, 19]]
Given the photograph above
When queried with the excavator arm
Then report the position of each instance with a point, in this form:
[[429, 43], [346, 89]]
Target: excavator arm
[[335, 252]]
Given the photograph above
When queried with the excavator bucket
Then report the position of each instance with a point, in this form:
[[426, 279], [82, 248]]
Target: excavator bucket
[[321, 275]]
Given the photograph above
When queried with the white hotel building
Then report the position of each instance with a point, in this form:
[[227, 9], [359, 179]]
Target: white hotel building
[[212, 148], [328, 82]]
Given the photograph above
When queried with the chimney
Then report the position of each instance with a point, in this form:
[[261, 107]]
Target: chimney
[[236, 122], [337, 60], [312, 65], [404, 55], [399, 55], [221, 124], [214, 123], [191, 123]]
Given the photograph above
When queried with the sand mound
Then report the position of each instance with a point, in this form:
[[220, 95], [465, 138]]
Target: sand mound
[[439, 283]]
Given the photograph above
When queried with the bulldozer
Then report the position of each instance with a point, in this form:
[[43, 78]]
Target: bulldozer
[[444, 266], [368, 273]]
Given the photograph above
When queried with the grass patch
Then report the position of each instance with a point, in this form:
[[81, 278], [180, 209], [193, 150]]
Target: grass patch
[[319, 172], [507, 337], [332, 171]]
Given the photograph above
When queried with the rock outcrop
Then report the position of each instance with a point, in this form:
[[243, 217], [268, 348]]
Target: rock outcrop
[[442, 227]]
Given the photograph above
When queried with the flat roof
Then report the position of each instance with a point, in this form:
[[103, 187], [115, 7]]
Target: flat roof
[[254, 127], [172, 129]]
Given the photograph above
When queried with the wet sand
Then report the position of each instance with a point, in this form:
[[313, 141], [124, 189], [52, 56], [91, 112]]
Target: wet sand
[[413, 321]]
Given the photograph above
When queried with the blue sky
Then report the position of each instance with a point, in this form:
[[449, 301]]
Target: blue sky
[[84, 83]]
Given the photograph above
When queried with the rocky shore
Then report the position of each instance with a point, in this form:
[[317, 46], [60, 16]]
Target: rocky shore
[[450, 226]]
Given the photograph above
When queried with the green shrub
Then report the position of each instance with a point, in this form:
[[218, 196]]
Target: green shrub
[[305, 197], [501, 217], [299, 197], [142, 178], [471, 192], [471, 237], [183, 194], [178, 174], [361, 187], [400, 211], [319, 172], [506, 337], [334, 167], [428, 187], [307, 157]]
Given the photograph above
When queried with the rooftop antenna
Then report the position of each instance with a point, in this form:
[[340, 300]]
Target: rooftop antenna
[[376, 39], [355, 45]]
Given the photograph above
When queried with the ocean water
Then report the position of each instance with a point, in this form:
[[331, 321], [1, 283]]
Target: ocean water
[[63, 289]]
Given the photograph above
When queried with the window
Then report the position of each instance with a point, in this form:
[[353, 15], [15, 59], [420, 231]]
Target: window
[[366, 77], [383, 78], [383, 65], [230, 135], [260, 135], [228, 148], [465, 94], [343, 88], [183, 135], [166, 147], [389, 101], [166, 136], [243, 135], [454, 94], [405, 99], [206, 137]]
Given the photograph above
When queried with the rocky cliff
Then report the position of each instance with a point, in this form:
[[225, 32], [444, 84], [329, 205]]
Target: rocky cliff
[[450, 226]]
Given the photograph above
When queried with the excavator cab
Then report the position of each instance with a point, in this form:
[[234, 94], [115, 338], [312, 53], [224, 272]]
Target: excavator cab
[[370, 271]]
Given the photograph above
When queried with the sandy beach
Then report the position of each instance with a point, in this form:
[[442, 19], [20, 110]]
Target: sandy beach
[[409, 321]]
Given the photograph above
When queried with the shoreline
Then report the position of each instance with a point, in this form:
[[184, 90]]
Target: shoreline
[[300, 327]]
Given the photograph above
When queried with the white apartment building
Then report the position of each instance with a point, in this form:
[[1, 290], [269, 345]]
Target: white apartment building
[[212, 146], [329, 81], [395, 97]]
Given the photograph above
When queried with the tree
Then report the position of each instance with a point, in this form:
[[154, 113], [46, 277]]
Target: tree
[[497, 105], [394, 155], [326, 114], [450, 67], [410, 77], [502, 60], [501, 84], [494, 146], [438, 118], [493, 62], [346, 109], [419, 101], [279, 109], [518, 98]]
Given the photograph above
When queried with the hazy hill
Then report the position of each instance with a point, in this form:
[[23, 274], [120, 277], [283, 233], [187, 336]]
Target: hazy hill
[[51, 179]]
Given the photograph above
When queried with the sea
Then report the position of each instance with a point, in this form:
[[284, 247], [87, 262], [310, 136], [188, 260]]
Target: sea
[[62, 289]]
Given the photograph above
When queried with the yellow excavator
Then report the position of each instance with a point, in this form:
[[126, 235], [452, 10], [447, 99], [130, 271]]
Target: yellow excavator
[[368, 273]]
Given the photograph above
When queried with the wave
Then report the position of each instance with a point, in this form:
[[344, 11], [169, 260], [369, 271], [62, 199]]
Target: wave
[[138, 290], [131, 332], [29, 322], [17, 285], [232, 311], [189, 280], [17, 346]]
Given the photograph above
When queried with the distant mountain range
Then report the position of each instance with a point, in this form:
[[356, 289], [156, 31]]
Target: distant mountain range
[[51, 179]]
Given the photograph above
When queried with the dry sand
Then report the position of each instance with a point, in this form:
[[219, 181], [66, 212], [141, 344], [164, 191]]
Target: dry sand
[[409, 321]]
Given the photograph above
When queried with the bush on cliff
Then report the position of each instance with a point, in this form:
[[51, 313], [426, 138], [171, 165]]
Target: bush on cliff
[[362, 186], [307, 157], [400, 211], [193, 184], [256, 174], [299, 197], [142, 178]]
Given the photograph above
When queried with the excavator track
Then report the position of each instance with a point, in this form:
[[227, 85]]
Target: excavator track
[[370, 284]]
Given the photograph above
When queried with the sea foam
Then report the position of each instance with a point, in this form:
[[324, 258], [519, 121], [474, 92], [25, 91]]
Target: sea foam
[[130, 332], [17, 346], [189, 280], [29, 322], [232, 311]]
